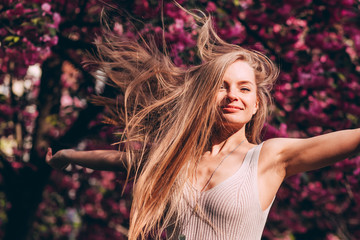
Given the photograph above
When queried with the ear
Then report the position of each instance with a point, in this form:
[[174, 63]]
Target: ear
[[256, 107]]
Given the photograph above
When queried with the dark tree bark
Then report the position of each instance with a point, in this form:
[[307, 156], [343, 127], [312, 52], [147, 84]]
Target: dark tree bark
[[24, 187]]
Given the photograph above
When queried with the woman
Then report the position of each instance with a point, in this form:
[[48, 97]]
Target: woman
[[201, 171]]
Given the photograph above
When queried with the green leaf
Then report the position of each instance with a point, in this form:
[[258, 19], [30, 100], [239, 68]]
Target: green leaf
[[35, 21], [354, 119], [9, 38], [52, 31], [2, 98], [16, 39], [341, 77]]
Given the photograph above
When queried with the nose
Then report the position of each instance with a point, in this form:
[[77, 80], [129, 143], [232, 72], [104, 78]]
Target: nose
[[231, 95]]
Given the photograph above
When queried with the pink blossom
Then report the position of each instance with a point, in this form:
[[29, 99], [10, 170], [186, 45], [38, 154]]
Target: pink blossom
[[53, 132], [6, 109], [17, 165], [66, 100], [276, 28], [339, 176], [17, 11], [46, 7], [332, 237], [78, 103], [123, 208], [118, 28], [65, 229], [348, 13], [108, 180], [308, 214], [3, 32], [211, 7], [347, 3], [56, 19], [88, 209], [284, 10], [54, 40], [357, 171]]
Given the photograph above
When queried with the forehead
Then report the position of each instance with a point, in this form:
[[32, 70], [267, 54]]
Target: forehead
[[240, 71]]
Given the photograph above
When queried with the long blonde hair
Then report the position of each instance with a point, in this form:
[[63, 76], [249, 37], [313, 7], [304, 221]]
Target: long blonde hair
[[172, 112]]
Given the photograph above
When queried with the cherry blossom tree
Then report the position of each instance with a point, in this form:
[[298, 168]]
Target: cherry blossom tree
[[45, 94]]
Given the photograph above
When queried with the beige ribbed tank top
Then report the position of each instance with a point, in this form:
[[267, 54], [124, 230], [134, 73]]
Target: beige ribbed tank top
[[230, 210]]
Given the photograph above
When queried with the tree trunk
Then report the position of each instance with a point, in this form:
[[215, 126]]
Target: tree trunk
[[24, 192], [24, 186]]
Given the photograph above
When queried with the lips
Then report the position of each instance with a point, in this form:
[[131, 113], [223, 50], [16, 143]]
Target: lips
[[231, 108]]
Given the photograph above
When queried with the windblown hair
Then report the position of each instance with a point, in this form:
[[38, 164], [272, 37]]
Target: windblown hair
[[172, 111]]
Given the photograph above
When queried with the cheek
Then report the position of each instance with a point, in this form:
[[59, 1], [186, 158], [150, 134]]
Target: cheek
[[252, 100], [255, 109], [219, 98], [254, 104]]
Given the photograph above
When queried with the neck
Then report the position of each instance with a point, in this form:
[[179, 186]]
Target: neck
[[222, 137]]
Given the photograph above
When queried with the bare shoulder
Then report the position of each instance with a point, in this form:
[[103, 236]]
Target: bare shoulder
[[271, 172], [273, 147], [270, 156]]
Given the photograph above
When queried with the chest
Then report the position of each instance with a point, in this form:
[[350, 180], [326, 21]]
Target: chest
[[226, 210], [212, 171]]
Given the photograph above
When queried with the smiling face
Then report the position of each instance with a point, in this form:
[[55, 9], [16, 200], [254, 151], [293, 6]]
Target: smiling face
[[237, 98]]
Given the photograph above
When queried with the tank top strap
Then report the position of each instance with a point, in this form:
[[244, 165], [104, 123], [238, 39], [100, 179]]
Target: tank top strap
[[249, 165], [254, 155]]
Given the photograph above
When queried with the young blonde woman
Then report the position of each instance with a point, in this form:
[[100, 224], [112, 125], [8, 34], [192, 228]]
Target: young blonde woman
[[202, 171]]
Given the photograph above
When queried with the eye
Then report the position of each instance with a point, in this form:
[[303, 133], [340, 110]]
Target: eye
[[222, 86], [245, 89]]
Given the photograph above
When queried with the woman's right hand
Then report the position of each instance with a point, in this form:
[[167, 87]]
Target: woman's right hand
[[59, 160]]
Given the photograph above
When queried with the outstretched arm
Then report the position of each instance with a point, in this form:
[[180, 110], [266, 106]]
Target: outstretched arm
[[108, 160], [283, 157], [299, 155]]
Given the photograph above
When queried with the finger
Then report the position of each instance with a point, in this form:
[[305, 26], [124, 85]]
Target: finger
[[49, 154]]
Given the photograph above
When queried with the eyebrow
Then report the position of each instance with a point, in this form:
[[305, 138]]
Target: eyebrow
[[241, 82], [245, 82]]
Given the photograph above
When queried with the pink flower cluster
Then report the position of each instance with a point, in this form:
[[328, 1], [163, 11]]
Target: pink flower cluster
[[316, 45], [27, 33]]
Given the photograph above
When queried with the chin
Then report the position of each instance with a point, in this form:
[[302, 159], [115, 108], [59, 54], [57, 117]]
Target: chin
[[235, 121], [233, 126]]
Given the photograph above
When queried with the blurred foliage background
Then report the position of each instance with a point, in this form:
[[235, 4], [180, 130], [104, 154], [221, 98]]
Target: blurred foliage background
[[45, 94]]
